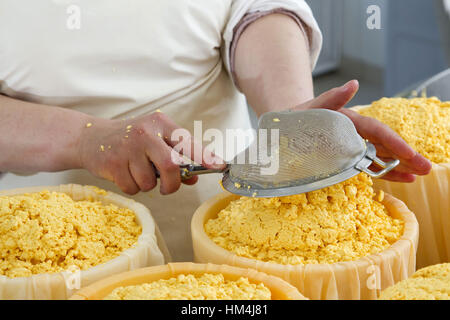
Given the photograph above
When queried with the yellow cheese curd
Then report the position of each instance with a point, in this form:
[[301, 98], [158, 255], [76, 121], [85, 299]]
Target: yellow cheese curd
[[190, 287], [431, 283], [422, 122], [339, 223], [49, 232]]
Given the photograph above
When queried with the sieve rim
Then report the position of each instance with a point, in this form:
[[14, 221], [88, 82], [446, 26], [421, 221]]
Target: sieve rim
[[230, 185]]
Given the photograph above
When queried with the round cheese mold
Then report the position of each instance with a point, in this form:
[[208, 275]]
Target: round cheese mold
[[425, 123], [363, 278], [336, 224], [48, 232], [431, 283], [189, 287], [203, 281], [55, 240]]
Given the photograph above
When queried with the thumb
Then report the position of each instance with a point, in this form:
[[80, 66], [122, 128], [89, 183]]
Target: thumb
[[334, 99]]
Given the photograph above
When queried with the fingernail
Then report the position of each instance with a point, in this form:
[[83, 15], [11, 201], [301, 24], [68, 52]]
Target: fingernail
[[348, 86], [213, 161], [345, 87], [218, 165]]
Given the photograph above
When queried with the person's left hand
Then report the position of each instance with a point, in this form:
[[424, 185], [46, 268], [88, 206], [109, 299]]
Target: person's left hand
[[388, 143]]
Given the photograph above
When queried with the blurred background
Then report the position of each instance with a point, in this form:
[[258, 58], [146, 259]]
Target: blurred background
[[411, 47]]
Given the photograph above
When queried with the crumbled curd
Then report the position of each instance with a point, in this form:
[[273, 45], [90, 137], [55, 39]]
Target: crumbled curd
[[190, 287], [49, 232], [339, 223], [424, 123], [431, 283]]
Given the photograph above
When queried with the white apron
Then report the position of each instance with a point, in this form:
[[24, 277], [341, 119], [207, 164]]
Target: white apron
[[128, 58]]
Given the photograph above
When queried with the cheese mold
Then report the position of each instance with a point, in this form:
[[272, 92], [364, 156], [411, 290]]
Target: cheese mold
[[363, 278], [61, 284], [279, 289], [428, 197]]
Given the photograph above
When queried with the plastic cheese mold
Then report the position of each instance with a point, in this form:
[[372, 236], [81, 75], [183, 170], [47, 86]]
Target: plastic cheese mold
[[189, 287], [335, 224], [279, 289], [425, 123], [363, 278], [47, 232], [96, 247]]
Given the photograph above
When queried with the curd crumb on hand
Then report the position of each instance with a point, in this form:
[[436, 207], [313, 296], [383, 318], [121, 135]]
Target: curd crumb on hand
[[190, 287]]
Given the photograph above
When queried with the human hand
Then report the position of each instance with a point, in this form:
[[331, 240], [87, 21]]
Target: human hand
[[388, 143], [127, 152]]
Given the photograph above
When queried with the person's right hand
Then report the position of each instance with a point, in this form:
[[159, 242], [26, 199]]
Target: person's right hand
[[124, 152]]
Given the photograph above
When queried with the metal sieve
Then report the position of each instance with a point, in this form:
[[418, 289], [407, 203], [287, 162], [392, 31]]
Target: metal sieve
[[310, 150]]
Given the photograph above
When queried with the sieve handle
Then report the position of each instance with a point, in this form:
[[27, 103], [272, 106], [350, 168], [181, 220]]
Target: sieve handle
[[387, 167], [188, 171]]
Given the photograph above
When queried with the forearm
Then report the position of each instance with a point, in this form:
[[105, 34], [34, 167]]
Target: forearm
[[36, 137], [272, 64]]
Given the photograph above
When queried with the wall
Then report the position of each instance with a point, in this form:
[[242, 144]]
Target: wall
[[360, 43], [414, 45]]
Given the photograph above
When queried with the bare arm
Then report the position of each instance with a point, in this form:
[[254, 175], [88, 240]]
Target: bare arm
[[38, 137], [272, 64]]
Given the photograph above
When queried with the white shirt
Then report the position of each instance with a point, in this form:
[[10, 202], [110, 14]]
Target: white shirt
[[447, 6], [127, 57]]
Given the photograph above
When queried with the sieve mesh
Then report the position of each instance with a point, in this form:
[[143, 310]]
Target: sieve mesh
[[312, 145]]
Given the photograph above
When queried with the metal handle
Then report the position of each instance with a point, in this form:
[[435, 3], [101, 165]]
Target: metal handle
[[387, 167], [187, 171], [371, 157]]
